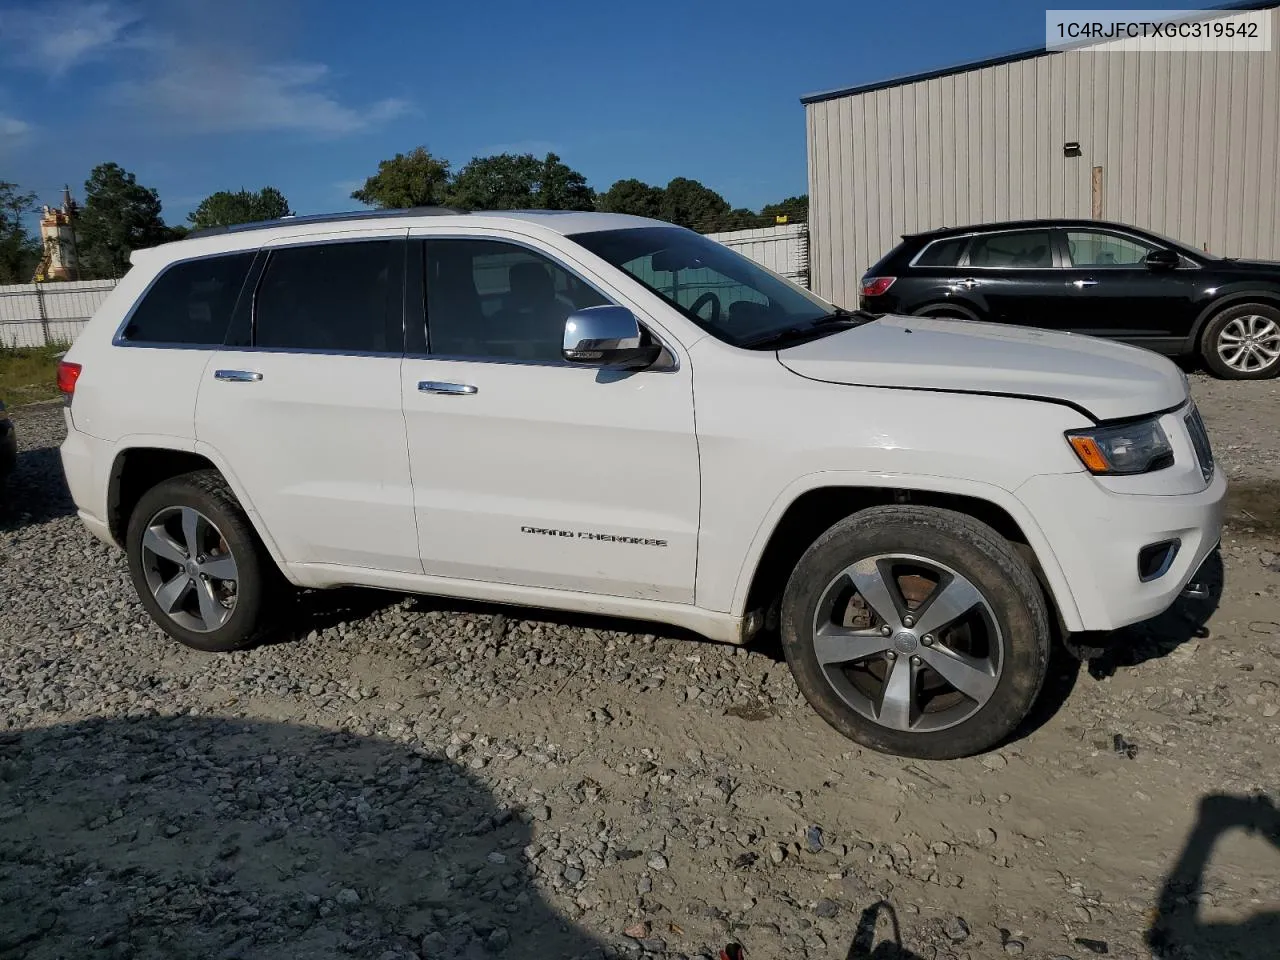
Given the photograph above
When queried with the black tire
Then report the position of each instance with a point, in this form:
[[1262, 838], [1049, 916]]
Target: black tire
[[1210, 341], [259, 586], [969, 548]]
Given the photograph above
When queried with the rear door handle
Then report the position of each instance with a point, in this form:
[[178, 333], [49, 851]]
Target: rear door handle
[[968, 283], [237, 376], [448, 389], [1081, 284]]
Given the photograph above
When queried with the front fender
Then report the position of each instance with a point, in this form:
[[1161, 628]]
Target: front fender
[[954, 486]]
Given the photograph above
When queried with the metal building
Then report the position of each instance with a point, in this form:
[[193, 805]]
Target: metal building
[[1183, 143]]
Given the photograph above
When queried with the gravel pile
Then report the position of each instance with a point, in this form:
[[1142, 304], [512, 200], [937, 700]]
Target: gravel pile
[[415, 777]]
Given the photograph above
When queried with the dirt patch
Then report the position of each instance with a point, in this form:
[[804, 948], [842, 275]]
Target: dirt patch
[[1253, 507]]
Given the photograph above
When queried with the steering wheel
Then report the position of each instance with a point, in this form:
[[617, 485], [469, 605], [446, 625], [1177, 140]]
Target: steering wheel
[[703, 300]]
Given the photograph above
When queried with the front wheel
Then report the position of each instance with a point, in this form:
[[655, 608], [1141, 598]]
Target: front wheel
[[916, 631], [197, 565], [1243, 342]]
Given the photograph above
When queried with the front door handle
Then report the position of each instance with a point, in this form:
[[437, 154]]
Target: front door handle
[[1081, 284], [237, 376], [448, 389]]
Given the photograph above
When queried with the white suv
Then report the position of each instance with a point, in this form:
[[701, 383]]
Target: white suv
[[603, 413]]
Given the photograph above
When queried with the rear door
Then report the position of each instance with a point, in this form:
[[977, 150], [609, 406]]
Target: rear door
[[303, 404], [1114, 294], [1015, 277]]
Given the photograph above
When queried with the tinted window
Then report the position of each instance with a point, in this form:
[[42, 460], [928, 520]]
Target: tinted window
[[331, 296], [491, 299], [191, 302], [942, 253], [1104, 249], [1023, 248]]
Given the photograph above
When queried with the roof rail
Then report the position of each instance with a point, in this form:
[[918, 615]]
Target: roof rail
[[327, 218]]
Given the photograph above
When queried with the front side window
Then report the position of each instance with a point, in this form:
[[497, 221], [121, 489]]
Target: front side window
[[729, 296], [1028, 249], [329, 296], [493, 300], [191, 302], [1089, 249]]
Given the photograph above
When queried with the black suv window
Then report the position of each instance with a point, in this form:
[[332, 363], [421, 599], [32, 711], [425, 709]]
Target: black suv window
[[1090, 249], [191, 302], [942, 253], [330, 296], [1015, 248], [489, 299]]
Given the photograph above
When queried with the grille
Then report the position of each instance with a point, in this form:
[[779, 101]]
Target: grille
[[1200, 441]]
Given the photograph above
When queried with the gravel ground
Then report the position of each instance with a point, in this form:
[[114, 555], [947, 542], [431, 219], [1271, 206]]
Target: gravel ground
[[413, 777]]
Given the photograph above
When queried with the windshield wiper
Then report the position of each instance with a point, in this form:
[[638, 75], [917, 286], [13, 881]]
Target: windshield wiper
[[841, 315]]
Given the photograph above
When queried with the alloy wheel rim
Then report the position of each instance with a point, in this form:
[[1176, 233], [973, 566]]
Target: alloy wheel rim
[[189, 569], [1249, 343], [908, 643]]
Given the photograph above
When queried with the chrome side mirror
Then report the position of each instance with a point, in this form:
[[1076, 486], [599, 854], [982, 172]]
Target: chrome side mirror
[[608, 336]]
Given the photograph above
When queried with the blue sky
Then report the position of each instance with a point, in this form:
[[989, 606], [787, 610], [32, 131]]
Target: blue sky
[[308, 95]]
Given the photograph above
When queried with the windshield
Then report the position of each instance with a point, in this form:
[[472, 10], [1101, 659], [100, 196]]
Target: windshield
[[729, 296]]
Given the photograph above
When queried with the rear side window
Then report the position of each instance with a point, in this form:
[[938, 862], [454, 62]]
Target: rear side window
[[1017, 248], [191, 302], [942, 253], [329, 296]]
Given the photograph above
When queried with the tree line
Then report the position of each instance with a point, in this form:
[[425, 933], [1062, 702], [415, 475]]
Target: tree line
[[120, 215]]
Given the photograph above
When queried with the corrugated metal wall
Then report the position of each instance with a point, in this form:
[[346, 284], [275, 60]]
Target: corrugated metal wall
[[35, 314], [1188, 143]]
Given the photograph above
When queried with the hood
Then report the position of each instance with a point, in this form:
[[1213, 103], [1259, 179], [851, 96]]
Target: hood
[[1107, 380]]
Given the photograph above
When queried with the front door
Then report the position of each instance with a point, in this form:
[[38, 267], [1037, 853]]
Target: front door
[[528, 470], [1116, 295], [304, 406]]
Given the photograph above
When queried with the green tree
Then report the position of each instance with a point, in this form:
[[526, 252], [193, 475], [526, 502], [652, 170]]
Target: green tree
[[520, 182], [690, 204], [225, 208], [19, 250], [119, 216], [795, 209], [632, 196], [413, 179]]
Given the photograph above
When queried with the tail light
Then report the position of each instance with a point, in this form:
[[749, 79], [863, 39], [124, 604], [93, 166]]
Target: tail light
[[875, 286], [68, 374]]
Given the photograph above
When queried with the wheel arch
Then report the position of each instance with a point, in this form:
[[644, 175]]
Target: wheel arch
[[810, 507], [139, 466], [1270, 298], [939, 308]]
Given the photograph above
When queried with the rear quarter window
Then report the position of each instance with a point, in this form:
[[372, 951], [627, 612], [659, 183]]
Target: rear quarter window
[[190, 302], [942, 253]]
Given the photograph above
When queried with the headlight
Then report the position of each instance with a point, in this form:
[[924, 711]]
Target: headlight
[[1127, 448]]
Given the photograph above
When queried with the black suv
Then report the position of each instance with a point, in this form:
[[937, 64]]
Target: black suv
[[1091, 277]]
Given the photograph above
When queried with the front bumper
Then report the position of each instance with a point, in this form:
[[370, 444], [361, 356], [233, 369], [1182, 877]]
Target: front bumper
[[1097, 534]]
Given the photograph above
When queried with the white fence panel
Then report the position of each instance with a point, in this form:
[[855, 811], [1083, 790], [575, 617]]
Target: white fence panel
[[783, 249], [36, 314]]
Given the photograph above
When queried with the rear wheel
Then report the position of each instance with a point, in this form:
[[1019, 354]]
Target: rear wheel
[[198, 566], [1243, 342], [916, 631]]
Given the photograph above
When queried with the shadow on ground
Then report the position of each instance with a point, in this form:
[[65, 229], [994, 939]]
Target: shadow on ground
[[1179, 929], [1151, 639], [864, 946], [36, 492], [202, 838]]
